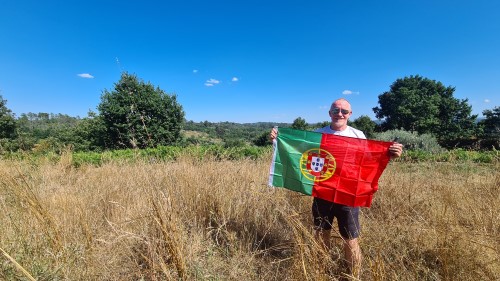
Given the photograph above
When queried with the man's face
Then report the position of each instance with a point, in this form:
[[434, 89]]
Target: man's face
[[340, 111]]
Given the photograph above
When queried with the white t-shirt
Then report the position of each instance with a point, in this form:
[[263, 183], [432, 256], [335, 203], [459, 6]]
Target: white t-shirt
[[348, 132]]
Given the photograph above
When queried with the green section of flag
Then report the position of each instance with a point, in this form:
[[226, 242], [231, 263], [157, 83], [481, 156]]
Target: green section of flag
[[290, 146]]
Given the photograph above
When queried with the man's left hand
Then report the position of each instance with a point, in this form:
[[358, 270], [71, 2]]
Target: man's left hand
[[396, 149]]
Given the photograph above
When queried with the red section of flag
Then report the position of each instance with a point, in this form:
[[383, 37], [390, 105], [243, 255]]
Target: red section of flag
[[359, 165]]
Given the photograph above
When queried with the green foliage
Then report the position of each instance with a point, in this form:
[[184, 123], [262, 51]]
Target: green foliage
[[299, 123], [365, 124], [8, 146], [47, 145], [89, 134], [490, 126], [171, 153], [412, 140], [320, 125], [233, 132], [7, 121], [42, 132], [138, 115], [491, 122], [234, 143], [219, 152], [33, 128], [43, 125], [263, 139], [23, 141], [193, 140], [454, 156], [428, 107]]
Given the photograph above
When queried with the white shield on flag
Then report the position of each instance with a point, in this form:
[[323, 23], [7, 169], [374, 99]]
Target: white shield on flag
[[317, 164]]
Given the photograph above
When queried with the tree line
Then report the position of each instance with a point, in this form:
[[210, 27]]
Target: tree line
[[427, 107], [136, 114]]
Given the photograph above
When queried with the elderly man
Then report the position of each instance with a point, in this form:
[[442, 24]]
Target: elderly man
[[347, 217]]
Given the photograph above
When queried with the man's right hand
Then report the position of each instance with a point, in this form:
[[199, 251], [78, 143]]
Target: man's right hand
[[273, 134]]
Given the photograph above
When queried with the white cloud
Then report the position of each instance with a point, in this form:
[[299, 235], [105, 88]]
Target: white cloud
[[85, 75], [211, 82], [487, 101], [195, 70], [323, 107], [235, 79], [349, 92]]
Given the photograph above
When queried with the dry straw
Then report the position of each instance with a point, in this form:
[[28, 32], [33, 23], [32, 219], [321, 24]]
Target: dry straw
[[213, 219], [17, 265]]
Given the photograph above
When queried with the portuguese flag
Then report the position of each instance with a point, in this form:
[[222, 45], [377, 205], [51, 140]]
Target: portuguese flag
[[339, 169]]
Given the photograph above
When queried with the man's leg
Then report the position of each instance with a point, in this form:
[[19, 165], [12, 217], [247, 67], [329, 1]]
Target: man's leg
[[323, 238], [323, 218], [349, 228], [352, 253]]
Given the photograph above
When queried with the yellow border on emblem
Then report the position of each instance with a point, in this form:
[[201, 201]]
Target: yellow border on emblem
[[332, 165]]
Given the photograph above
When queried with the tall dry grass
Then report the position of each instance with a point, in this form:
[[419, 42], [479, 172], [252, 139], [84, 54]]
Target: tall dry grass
[[217, 220]]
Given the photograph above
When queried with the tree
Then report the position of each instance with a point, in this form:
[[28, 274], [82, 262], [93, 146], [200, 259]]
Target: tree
[[90, 134], [422, 105], [320, 124], [299, 124], [138, 115], [44, 125], [7, 121], [365, 124], [491, 124], [263, 139]]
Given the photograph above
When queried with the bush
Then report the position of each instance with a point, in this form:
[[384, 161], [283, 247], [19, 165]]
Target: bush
[[411, 140], [263, 139], [169, 153], [7, 146], [452, 156]]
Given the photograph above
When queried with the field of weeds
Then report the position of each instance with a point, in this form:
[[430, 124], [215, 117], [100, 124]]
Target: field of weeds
[[217, 220]]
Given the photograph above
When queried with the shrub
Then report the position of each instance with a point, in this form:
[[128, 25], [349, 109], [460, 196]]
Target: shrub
[[412, 140]]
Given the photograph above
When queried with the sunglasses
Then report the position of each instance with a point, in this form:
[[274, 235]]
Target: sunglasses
[[337, 110]]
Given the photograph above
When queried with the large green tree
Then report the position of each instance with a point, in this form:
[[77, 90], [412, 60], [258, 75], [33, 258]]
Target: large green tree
[[425, 106], [138, 115], [7, 121]]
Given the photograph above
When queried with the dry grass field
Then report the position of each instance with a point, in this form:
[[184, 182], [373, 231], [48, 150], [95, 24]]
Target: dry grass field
[[217, 220]]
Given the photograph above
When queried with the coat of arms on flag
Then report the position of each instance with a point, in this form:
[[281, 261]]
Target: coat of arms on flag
[[339, 169], [319, 164]]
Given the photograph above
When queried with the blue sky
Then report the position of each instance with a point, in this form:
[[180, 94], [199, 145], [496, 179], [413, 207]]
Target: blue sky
[[246, 61]]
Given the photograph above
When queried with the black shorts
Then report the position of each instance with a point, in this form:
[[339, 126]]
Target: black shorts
[[347, 217]]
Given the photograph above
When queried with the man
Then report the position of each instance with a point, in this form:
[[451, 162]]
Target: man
[[347, 217]]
